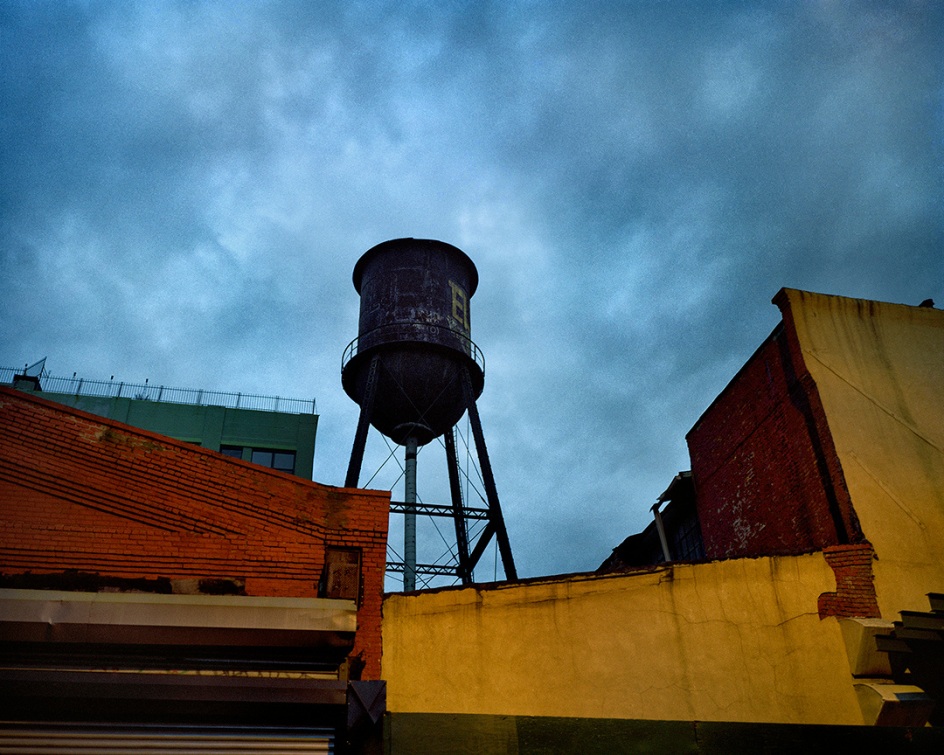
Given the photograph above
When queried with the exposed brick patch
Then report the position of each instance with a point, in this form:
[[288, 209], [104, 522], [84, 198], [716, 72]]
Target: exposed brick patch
[[855, 589], [85, 494]]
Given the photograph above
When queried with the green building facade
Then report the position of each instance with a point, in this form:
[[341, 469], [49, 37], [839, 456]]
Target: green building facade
[[274, 432]]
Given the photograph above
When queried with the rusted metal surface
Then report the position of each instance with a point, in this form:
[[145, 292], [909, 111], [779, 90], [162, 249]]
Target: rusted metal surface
[[415, 313]]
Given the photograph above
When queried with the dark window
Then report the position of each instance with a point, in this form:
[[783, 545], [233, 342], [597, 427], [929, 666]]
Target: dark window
[[284, 461], [235, 451], [686, 540], [262, 457]]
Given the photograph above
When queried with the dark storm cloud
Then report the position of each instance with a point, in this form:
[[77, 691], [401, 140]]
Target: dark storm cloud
[[187, 185]]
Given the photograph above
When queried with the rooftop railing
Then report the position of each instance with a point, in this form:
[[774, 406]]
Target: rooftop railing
[[76, 386]]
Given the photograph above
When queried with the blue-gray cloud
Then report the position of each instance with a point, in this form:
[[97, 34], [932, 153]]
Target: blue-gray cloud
[[187, 185]]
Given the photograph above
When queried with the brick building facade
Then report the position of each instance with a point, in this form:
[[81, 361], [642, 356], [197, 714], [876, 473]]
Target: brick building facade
[[148, 582], [86, 495]]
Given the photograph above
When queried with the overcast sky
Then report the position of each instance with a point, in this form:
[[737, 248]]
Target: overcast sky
[[186, 186]]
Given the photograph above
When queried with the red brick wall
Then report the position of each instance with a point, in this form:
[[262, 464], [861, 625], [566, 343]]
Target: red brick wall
[[855, 588], [766, 475], [78, 492]]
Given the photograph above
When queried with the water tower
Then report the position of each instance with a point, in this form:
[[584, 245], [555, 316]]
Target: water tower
[[414, 371]]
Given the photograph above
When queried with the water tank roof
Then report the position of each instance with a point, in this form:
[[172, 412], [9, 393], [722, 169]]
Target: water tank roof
[[410, 242]]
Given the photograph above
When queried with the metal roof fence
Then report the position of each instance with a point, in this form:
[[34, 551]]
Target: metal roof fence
[[76, 386]]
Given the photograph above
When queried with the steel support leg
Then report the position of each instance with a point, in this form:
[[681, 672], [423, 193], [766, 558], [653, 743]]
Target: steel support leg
[[363, 425], [481, 545], [494, 507], [463, 568]]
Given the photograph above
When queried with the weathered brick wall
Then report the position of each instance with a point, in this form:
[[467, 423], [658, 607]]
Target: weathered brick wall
[[855, 588], [78, 492], [766, 474]]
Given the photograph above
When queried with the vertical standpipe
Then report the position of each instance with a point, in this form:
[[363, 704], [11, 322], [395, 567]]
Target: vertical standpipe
[[409, 517]]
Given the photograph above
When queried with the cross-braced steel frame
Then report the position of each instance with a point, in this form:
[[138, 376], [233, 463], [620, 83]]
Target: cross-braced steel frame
[[467, 554]]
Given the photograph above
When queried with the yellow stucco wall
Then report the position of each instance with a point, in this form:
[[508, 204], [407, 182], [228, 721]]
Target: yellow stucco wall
[[879, 369], [735, 640]]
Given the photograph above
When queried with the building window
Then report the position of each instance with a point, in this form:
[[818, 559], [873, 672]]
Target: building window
[[685, 533], [284, 461]]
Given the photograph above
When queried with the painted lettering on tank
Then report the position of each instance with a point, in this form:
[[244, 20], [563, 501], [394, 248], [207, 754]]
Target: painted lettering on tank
[[460, 305]]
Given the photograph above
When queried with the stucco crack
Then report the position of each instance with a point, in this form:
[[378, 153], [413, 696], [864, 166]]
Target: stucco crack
[[804, 615], [875, 402], [898, 502]]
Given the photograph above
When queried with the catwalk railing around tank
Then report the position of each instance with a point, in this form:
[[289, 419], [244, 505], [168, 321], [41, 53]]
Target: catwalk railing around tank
[[76, 386], [400, 333]]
